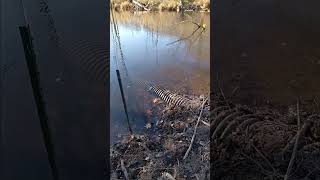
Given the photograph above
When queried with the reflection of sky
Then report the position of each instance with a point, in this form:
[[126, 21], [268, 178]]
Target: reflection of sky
[[141, 51]]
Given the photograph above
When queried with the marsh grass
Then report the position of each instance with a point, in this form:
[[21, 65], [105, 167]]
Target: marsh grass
[[162, 5]]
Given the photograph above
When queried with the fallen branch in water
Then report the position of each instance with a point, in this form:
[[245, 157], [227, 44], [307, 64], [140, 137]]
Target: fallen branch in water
[[195, 130], [199, 26]]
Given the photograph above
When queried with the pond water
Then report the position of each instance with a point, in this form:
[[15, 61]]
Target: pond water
[[76, 107], [182, 67], [269, 51]]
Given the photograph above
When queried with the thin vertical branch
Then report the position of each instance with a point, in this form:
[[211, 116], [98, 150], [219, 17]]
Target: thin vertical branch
[[129, 84], [295, 148], [124, 100], [38, 97], [195, 130]]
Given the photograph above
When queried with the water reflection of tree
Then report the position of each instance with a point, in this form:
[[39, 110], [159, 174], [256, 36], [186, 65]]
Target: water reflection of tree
[[200, 27], [130, 92], [116, 37]]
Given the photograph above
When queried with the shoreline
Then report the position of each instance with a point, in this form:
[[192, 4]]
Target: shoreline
[[161, 5], [171, 152]]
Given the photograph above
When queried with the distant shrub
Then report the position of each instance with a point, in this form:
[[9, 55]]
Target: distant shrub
[[126, 6], [162, 5], [169, 5], [202, 4]]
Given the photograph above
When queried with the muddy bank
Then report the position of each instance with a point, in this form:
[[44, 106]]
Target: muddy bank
[[267, 57], [167, 151], [245, 143], [264, 143]]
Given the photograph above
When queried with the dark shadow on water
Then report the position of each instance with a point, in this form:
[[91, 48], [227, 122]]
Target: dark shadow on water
[[76, 104]]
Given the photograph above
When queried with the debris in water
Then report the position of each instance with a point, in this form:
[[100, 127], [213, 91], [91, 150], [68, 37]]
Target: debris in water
[[155, 100], [148, 125]]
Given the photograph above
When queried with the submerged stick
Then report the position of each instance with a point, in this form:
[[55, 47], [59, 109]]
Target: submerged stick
[[124, 100], [199, 26], [37, 93], [195, 130]]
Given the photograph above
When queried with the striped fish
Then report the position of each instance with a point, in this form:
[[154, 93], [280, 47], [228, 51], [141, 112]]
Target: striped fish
[[169, 97]]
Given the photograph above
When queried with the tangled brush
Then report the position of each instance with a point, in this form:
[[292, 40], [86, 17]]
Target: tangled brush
[[252, 143]]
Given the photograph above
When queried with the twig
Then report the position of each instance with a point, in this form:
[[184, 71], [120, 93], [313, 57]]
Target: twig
[[182, 39], [310, 172], [205, 123], [315, 100], [196, 39], [198, 25], [295, 146], [234, 91], [124, 170], [175, 172], [224, 97], [168, 176], [195, 130], [263, 170], [264, 157], [140, 5], [303, 130], [197, 177]]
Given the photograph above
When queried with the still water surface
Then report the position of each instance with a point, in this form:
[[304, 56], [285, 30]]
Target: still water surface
[[76, 107], [183, 67], [269, 51]]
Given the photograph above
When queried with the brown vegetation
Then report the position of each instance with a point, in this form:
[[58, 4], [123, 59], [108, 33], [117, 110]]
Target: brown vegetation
[[162, 5], [251, 143], [179, 149]]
